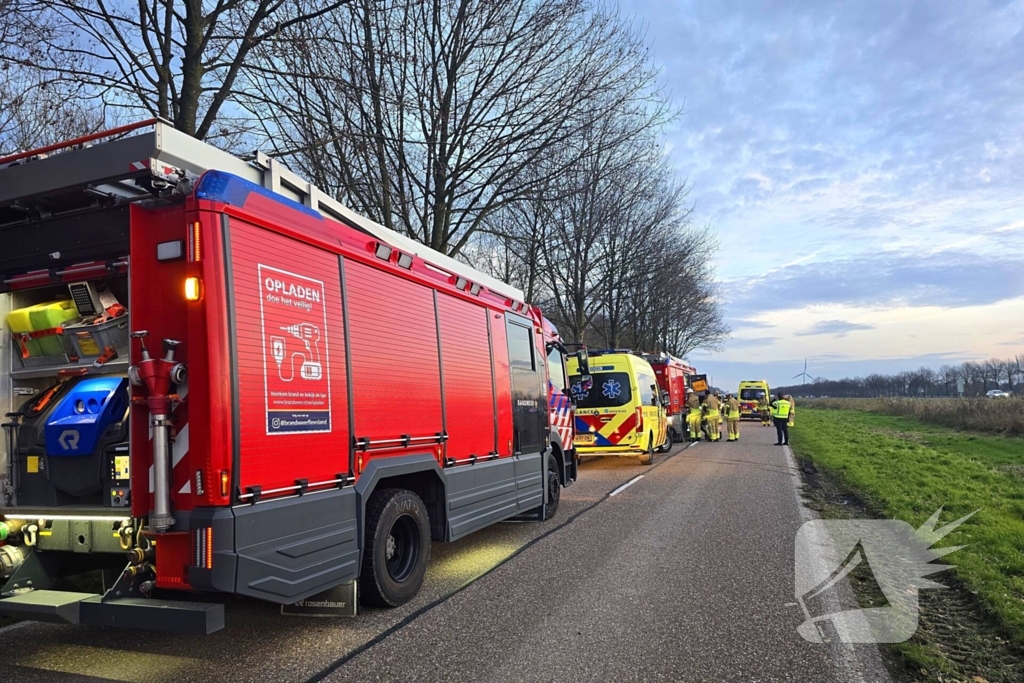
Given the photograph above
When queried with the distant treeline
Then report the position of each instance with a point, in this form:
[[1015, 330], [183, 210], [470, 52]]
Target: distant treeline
[[972, 378]]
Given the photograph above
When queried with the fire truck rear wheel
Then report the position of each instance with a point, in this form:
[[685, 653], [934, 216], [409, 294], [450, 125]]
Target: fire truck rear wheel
[[397, 548], [648, 457]]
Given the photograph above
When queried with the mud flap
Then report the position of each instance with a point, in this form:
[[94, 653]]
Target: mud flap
[[340, 601], [569, 467]]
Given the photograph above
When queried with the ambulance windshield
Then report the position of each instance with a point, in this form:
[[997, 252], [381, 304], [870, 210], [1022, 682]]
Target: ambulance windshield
[[607, 390], [751, 394]]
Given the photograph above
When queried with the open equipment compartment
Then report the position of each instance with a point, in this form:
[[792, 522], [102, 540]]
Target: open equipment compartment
[[71, 233], [79, 468]]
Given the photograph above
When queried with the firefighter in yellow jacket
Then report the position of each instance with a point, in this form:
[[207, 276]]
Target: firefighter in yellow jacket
[[721, 413], [765, 411], [732, 417], [792, 410], [713, 416], [693, 416]]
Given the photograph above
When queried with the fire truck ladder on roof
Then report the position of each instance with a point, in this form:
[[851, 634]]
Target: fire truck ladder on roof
[[133, 167]]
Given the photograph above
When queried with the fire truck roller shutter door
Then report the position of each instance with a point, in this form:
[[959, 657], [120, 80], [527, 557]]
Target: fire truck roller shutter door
[[481, 493], [468, 389], [502, 383], [396, 372]]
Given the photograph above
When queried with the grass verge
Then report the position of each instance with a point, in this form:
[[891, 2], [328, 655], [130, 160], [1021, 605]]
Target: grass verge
[[1003, 416], [863, 464]]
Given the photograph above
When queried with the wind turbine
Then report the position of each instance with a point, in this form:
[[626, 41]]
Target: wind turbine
[[805, 375]]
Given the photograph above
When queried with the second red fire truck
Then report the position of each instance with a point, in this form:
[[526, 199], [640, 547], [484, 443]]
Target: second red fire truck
[[672, 374]]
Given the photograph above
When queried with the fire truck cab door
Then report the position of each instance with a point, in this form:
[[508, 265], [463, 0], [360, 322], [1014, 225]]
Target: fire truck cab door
[[529, 397]]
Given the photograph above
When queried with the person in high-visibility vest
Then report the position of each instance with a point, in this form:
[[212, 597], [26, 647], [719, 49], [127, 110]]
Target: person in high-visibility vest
[[792, 410], [780, 415], [732, 416], [693, 416], [713, 417]]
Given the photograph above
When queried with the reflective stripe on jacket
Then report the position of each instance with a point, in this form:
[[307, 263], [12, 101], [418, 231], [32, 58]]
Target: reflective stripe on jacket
[[732, 410], [780, 409]]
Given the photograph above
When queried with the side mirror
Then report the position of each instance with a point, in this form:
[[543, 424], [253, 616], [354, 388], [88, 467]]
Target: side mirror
[[583, 359], [665, 398]]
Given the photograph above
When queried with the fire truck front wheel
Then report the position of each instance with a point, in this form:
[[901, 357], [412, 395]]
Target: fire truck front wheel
[[397, 548], [554, 488], [554, 491]]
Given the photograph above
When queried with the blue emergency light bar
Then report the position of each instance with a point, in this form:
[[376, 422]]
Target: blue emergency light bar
[[218, 186]]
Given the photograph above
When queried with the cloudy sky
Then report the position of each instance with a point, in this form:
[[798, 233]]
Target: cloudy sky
[[863, 165]]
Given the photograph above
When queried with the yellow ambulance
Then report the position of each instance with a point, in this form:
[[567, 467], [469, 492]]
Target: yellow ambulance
[[750, 392], [620, 411]]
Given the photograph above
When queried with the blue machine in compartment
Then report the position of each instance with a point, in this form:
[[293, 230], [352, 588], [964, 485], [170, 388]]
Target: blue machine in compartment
[[77, 423]]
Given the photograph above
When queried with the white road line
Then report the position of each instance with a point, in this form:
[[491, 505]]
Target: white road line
[[627, 485]]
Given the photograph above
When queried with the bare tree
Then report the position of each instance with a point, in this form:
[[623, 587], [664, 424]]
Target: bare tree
[[429, 116], [949, 375], [1006, 372], [177, 59], [612, 254], [36, 109], [991, 370]]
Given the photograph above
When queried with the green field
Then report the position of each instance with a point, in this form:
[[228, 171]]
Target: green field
[[1004, 416], [900, 468]]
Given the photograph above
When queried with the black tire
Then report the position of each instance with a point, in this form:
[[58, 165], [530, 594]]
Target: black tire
[[554, 488], [397, 524], [648, 457], [669, 440]]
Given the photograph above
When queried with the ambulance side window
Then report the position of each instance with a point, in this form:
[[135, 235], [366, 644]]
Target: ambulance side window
[[647, 382], [556, 369]]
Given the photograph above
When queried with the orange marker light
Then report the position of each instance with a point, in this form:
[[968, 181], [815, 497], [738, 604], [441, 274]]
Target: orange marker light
[[209, 549], [193, 289], [194, 242], [225, 481]]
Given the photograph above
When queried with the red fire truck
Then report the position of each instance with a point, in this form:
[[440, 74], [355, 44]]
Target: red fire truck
[[561, 411], [218, 370], [672, 373]]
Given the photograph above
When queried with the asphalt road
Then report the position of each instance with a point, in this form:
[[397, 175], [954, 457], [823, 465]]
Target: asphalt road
[[686, 574]]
